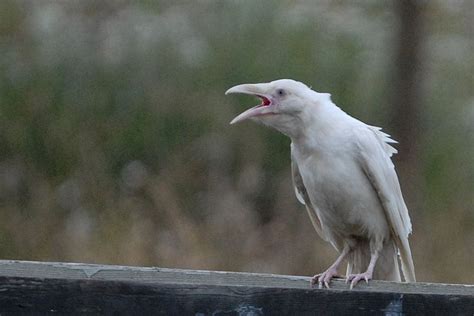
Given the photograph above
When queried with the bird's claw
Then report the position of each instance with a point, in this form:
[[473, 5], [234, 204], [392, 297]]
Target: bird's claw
[[323, 279], [355, 278]]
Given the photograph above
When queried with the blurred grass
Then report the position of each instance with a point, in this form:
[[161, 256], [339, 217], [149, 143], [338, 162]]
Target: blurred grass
[[116, 148]]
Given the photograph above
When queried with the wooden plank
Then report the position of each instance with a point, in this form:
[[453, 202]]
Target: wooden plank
[[61, 296], [64, 288], [15, 268]]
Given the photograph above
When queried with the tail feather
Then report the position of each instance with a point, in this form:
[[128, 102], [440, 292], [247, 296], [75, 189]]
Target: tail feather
[[406, 259]]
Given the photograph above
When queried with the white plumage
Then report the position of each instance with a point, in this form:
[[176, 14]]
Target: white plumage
[[343, 174]]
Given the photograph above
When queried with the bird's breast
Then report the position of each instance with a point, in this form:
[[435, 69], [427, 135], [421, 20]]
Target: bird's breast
[[345, 198]]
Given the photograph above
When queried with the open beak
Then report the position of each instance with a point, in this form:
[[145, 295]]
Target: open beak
[[259, 90]]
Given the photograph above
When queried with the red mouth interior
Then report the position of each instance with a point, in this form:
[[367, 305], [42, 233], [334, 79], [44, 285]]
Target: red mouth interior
[[265, 101]]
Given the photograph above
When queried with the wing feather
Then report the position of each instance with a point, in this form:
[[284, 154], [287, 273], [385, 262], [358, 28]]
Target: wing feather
[[374, 155], [303, 198]]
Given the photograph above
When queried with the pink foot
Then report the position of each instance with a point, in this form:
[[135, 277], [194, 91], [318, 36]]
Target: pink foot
[[324, 278], [354, 278]]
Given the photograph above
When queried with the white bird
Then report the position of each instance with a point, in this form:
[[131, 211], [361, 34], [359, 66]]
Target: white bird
[[343, 174]]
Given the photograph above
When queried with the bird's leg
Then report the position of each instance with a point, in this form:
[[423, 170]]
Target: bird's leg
[[326, 276], [367, 275]]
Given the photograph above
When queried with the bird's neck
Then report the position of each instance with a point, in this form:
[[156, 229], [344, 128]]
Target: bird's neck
[[318, 125]]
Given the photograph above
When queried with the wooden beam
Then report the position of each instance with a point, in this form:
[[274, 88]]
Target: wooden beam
[[47, 287]]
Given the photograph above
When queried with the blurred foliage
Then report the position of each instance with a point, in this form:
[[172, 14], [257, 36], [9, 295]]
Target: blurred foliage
[[116, 148]]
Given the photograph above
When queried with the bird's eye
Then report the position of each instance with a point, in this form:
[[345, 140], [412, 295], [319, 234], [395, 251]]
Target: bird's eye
[[281, 92]]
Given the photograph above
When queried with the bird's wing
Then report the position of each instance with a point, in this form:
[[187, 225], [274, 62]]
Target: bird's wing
[[374, 155], [302, 196]]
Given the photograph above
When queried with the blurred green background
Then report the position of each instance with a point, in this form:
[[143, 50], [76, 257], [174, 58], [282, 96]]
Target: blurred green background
[[115, 145]]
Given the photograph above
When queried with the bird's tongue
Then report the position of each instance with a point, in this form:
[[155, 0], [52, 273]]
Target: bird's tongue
[[257, 110], [265, 101]]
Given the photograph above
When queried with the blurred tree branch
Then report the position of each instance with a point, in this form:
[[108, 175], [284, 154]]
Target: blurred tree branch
[[407, 98]]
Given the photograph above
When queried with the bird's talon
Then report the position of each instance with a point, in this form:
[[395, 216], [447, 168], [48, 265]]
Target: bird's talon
[[355, 278], [315, 279]]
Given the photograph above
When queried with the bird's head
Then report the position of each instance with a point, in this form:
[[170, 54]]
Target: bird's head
[[283, 104]]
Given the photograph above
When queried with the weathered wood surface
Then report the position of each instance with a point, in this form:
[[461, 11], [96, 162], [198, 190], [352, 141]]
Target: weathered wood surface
[[64, 288]]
